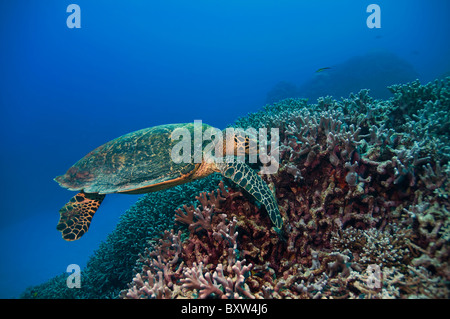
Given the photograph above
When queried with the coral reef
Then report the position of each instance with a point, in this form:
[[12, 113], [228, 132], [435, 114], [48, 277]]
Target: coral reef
[[356, 193], [363, 190], [204, 265]]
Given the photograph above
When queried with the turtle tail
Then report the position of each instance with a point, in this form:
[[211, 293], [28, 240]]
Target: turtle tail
[[76, 215]]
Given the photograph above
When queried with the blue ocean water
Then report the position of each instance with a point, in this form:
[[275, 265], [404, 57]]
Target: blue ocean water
[[136, 64]]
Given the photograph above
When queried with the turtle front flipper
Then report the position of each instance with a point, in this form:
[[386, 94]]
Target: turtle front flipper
[[76, 215], [245, 177]]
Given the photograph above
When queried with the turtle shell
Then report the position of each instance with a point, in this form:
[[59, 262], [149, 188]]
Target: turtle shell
[[137, 162]]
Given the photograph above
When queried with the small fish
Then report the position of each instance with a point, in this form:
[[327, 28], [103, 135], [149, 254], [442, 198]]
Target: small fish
[[323, 69]]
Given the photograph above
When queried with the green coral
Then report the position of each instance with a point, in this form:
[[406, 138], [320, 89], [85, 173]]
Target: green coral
[[423, 111]]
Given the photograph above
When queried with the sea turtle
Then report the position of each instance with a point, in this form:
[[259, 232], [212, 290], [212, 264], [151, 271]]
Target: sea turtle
[[142, 162]]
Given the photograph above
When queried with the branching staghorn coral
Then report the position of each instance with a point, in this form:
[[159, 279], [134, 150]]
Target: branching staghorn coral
[[218, 284], [172, 269], [372, 246], [160, 267]]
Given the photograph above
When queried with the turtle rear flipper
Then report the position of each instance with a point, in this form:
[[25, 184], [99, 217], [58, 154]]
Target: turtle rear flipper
[[247, 178], [76, 215]]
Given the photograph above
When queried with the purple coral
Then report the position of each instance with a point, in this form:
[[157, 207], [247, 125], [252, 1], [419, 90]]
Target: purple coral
[[173, 268]]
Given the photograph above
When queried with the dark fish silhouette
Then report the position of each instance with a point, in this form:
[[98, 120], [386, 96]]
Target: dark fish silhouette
[[323, 69]]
